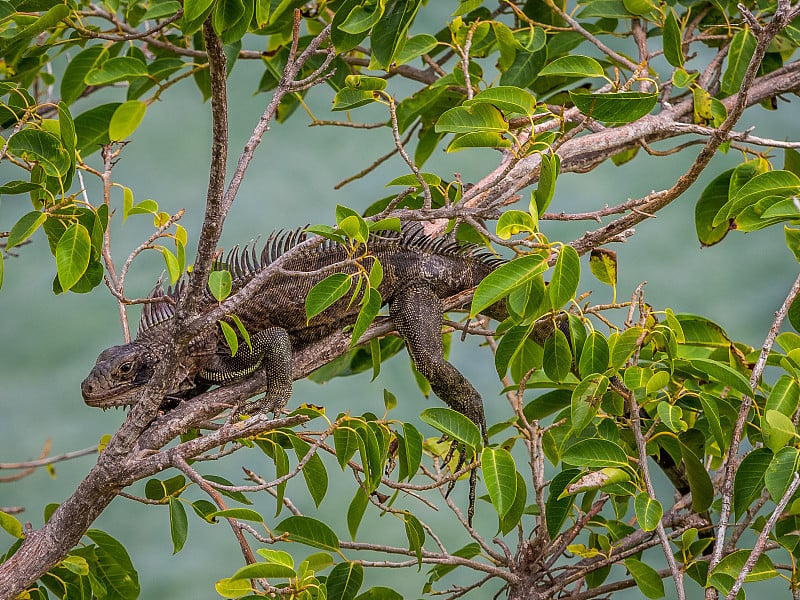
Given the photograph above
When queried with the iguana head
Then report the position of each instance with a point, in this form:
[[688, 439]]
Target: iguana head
[[118, 375]]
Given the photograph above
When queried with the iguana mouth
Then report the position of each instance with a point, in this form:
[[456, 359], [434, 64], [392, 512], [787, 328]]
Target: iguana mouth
[[104, 398]]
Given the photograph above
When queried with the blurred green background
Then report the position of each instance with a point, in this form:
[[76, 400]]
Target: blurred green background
[[48, 343]]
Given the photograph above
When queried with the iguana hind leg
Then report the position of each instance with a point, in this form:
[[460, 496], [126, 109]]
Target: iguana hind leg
[[418, 314], [271, 351]]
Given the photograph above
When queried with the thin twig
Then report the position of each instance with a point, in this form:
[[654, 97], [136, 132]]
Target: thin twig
[[761, 542], [744, 410]]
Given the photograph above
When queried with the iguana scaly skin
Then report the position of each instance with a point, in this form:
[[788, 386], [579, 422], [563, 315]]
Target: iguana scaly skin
[[418, 272]]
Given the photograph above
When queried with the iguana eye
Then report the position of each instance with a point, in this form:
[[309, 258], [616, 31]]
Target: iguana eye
[[125, 368]]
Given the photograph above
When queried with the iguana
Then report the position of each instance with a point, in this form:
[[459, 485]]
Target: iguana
[[418, 272]]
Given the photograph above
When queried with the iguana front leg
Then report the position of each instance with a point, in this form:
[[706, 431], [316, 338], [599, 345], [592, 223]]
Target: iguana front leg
[[271, 351], [418, 315]]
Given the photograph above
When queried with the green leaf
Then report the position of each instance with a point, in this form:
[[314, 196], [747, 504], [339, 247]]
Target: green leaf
[[365, 82], [515, 512], [784, 396], [416, 536], [240, 326], [41, 147], [178, 524], [699, 331], [595, 453], [119, 68], [780, 472], [410, 179], [379, 593], [500, 477], [416, 46], [319, 561], [262, 9], [506, 278], [615, 107], [682, 79], [72, 255], [126, 119], [777, 430], [390, 224], [740, 52], [557, 360], [646, 578], [230, 337], [227, 13], [713, 198], [507, 98], [366, 315], [220, 283], [314, 472], [349, 98], [228, 588], [594, 355], [76, 564], [513, 222], [242, 514], [346, 442], [793, 241], [72, 85], [725, 573], [574, 66], [19, 187], [453, 424], [672, 416], [639, 7], [625, 346], [557, 509], [389, 34], [566, 274], [310, 532], [344, 581], [699, 482], [711, 413], [478, 139], [162, 9], [673, 36], [25, 228], [194, 9], [586, 400], [468, 119], [525, 67], [266, 570], [361, 18], [544, 192], [412, 440], [114, 565], [603, 264], [724, 373], [749, 481], [326, 292], [648, 511], [92, 127], [11, 525], [780, 184], [355, 511], [173, 267]]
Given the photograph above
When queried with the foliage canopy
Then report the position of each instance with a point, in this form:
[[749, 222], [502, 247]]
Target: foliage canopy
[[598, 394]]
